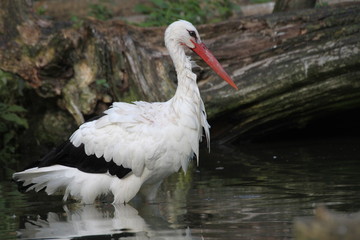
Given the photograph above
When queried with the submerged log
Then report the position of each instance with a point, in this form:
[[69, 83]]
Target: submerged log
[[327, 225], [291, 68]]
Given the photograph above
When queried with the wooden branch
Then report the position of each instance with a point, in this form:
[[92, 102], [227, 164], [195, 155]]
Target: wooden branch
[[290, 68]]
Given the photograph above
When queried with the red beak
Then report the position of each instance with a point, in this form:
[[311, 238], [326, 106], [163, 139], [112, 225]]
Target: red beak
[[208, 57]]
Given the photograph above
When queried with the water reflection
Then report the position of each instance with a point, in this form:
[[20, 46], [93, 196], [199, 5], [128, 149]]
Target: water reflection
[[252, 191], [105, 221]]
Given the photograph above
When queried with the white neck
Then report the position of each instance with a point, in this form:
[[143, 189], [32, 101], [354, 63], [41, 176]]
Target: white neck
[[187, 86], [187, 97]]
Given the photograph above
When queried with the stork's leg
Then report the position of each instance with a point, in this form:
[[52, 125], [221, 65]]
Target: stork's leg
[[149, 191]]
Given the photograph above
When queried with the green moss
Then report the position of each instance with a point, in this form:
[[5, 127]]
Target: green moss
[[130, 96]]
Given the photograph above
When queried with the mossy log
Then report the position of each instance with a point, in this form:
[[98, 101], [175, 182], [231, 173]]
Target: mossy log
[[291, 68]]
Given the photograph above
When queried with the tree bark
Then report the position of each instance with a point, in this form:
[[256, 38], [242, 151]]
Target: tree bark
[[290, 68], [303, 66]]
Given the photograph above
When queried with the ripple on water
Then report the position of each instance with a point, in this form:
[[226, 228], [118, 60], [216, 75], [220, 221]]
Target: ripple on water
[[238, 192]]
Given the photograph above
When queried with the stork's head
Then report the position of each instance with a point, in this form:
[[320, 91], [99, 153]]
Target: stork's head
[[184, 33]]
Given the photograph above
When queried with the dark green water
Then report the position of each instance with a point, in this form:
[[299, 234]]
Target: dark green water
[[251, 191]]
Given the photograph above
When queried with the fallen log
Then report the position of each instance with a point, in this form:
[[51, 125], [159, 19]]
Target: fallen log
[[291, 68], [307, 67]]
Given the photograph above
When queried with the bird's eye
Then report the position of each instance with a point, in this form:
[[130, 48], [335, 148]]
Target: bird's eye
[[192, 34]]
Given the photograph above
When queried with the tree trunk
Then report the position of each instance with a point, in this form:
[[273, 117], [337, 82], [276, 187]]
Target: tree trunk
[[290, 5], [290, 68]]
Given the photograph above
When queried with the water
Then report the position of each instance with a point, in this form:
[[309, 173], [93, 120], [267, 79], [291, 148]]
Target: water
[[251, 191]]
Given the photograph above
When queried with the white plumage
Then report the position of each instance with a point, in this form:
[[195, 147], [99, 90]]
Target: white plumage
[[133, 146]]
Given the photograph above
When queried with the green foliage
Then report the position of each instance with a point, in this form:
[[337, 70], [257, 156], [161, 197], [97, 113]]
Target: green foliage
[[11, 120], [12, 116], [100, 11], [321, 3], [41, 10], [163, 12], [77, 22], [260, 1], [103, 83]]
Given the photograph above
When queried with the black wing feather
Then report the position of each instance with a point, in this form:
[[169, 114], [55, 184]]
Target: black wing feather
[[68, 155]]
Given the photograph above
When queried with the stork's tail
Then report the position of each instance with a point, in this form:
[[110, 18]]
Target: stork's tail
[[77, 184], [62, 179], [35, 179]]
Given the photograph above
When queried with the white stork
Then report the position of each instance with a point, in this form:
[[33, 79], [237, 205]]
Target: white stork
[[133, 146]]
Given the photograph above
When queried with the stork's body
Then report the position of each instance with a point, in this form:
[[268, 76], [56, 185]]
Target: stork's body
[[134, 146]]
